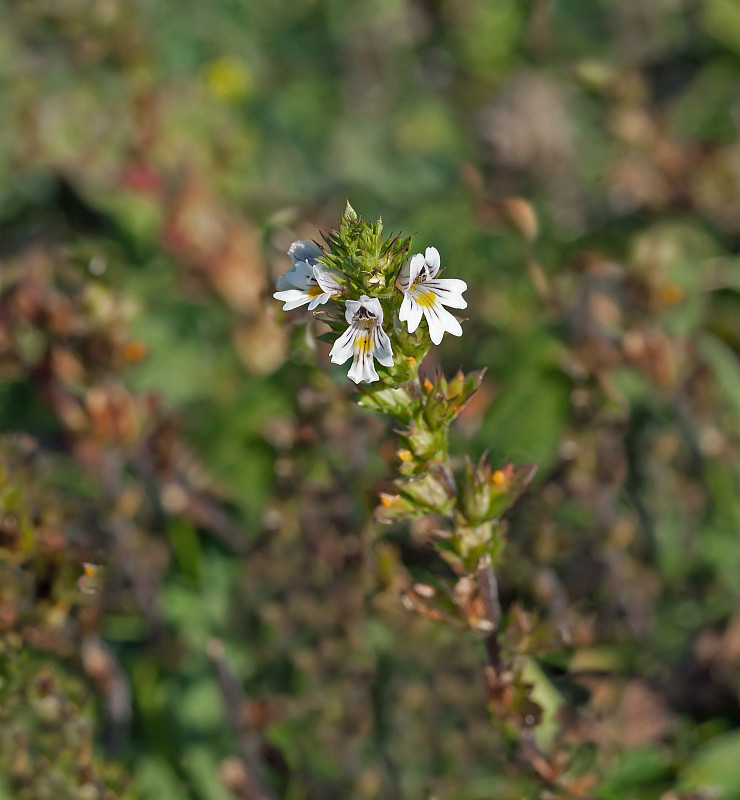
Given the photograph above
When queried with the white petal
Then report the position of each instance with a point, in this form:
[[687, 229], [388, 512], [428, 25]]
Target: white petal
[[293, 298], [409, 272], [300, 276], [319, 299], [372, 306], [431, 259], [351, 307], [440, 320], [363, 369], [303, 251], [410, 312], [283, 282], [344, 347], [403, 281], [327, 279], [405, 310], [449, 291], [286, 281], [416, 265], [382, 350]]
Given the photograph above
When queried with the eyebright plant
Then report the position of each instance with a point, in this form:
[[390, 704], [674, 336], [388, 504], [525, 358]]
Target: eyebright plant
[[384, 310], [374, 296]]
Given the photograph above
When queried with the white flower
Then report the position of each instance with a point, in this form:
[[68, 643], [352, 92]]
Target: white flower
[[306, 281], [299, 253], [364, 340], [424, 295]]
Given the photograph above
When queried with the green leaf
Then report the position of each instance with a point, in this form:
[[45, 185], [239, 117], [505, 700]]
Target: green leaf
[[725, 365], [637, 770], [714, 768], [547, 697], [186, 545], [527, 419], [721, 20]]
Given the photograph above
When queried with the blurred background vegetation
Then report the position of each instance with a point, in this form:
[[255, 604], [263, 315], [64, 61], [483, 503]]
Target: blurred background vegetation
[[193, 597]]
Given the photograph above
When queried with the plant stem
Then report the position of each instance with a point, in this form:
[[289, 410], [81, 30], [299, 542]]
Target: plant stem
[[248, 741], [488, 587]]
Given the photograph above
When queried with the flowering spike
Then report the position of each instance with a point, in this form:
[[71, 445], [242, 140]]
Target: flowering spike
[[367, 286]]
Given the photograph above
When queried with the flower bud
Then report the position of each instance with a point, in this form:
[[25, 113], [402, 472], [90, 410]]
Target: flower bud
[[487, 495], [349, 212], [420, 439], [506, 485], [393, 508], [430, 493], [396, 401], [475, 493]]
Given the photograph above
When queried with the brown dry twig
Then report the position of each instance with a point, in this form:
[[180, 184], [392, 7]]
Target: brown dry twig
[[249, 742], [488, 587]]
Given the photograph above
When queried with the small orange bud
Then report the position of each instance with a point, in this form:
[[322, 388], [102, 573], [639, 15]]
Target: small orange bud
[[387, 500], [672, 294], [427, 384], [498, 477], [405, 455], [134, 351], [411, 361]]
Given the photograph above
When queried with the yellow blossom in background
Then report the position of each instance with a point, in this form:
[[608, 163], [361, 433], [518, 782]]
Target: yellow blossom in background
[[228, 78]]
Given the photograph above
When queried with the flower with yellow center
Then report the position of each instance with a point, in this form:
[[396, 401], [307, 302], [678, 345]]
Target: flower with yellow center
[[307, 281], [363, 340], [423, 295]]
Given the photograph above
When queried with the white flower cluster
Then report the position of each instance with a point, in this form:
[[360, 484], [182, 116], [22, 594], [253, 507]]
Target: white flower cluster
[[308, 282]]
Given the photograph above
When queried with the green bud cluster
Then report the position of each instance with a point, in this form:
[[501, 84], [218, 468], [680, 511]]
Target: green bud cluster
[[370, 262], [367, 263]]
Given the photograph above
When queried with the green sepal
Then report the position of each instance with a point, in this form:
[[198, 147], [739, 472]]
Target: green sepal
[[395, 508], [421, 440], [517, 480], [430, 493], [398, 401], [486, 494], [470, 543]]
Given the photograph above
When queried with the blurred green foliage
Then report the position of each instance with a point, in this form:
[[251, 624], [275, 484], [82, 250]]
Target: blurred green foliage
[[185, 491]]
